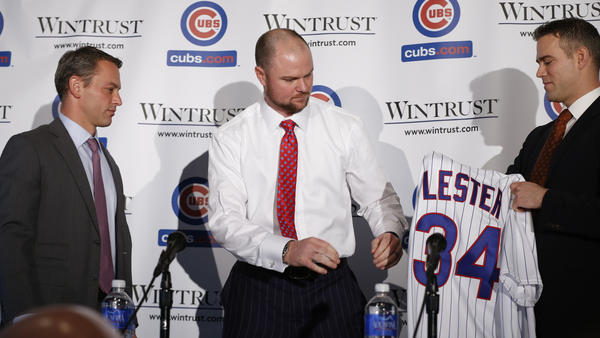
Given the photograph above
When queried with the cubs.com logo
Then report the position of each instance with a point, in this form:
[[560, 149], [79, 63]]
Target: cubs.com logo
[[435, 18], [326, 94], [204, 23], [190, 201], [552, 108]]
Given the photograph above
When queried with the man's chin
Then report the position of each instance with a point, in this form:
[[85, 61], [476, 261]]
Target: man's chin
[[298, 105], [105, 123]]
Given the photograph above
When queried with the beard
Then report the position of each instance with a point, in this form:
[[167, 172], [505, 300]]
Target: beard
[[291, 106]]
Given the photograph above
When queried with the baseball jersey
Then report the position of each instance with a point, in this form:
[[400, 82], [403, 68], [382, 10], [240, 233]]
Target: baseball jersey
[[488, 275]]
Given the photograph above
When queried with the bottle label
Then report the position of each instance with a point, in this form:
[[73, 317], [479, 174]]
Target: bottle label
[[118, 317], [378, 325]]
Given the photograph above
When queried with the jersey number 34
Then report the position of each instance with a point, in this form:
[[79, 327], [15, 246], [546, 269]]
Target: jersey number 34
[[478, 262]]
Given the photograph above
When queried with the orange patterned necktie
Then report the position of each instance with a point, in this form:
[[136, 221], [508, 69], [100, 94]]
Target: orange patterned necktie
[[542, 164]]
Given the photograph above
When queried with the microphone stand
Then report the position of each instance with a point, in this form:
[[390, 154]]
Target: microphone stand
[[432, 304], [166, 302]]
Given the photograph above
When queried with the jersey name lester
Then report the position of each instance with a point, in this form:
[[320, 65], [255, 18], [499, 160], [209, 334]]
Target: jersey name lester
[[467, 188]]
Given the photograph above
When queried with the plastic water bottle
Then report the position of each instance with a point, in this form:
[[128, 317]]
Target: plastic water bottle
[[117, 307], [381, 314]]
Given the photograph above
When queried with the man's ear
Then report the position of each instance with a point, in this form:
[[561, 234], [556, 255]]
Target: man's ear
[[583, 57], [75, 86], [261, 75]]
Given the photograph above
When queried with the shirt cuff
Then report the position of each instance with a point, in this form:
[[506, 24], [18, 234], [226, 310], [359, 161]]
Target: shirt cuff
[[270, 253]]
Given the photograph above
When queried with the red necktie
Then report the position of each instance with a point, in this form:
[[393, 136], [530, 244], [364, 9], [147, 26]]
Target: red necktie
[[106, 265], [286, 180], [542, 164]]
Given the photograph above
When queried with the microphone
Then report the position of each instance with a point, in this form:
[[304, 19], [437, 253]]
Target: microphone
[[175, 243], [436, 243]]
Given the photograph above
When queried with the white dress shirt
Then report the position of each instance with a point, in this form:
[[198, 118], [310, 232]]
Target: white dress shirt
[[335, 158]]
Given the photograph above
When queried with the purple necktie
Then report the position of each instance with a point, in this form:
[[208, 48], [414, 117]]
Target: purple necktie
[[106, 265]]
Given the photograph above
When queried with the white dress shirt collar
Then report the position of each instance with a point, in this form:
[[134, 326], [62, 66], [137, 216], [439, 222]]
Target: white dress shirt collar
[[583, 103], [78, 134], [273, 118]]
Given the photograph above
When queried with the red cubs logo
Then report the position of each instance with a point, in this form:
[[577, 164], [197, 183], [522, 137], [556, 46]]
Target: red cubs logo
[[436, 14], [436, 18], [190, 200], [203, 23]]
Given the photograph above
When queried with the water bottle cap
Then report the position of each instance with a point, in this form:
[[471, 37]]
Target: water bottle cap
[[118, 283], [382, 287]]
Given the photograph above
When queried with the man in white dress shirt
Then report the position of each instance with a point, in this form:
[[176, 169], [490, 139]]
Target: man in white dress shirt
[[291, 228]]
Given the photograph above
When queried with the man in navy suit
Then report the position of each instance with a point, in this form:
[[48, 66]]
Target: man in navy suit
[[56, 245], [561, 163]]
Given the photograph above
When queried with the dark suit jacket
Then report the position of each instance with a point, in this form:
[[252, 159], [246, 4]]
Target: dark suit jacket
[[567, 225], [49, 239]]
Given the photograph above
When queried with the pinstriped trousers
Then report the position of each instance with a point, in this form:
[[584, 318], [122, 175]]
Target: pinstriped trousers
[[264, 303]]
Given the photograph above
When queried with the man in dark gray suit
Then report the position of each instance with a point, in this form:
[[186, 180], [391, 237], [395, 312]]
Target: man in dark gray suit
[[561, 163], [63, 233]]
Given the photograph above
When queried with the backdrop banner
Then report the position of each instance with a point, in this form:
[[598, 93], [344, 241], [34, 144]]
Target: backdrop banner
[[453, 76]]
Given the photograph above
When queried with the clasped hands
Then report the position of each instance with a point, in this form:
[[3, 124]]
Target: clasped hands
[[316, 254]]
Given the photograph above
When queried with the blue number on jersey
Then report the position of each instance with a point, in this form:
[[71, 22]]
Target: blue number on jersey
[[487, 244]]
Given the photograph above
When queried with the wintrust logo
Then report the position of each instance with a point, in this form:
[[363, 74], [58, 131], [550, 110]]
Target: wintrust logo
[[4, 110], [322, 24], [522, 12], [57, 27]]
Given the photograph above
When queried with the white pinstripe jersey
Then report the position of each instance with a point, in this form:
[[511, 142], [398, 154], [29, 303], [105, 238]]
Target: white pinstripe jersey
[[488, 276]]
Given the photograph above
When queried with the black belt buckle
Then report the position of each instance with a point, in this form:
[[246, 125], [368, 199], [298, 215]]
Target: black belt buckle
[[299, 272]]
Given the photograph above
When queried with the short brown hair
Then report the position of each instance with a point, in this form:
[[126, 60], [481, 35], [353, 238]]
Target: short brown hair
[[572, 33], [81, 62]]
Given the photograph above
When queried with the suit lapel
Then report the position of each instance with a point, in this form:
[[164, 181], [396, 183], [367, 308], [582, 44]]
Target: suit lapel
[[580, 126], [64, 144]]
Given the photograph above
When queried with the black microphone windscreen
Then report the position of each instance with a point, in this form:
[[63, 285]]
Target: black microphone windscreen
[[436, 243], [177, 240]]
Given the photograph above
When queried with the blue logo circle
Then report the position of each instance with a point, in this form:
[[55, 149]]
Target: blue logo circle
[[326, 94], [203, 23], [55, 106], [435, 18], [552, 108], [414, 197], [1, 22], [190, 201]]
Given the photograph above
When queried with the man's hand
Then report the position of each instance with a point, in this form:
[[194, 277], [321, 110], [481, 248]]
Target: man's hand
[[310, 252], [527, 195], [386, 250]]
